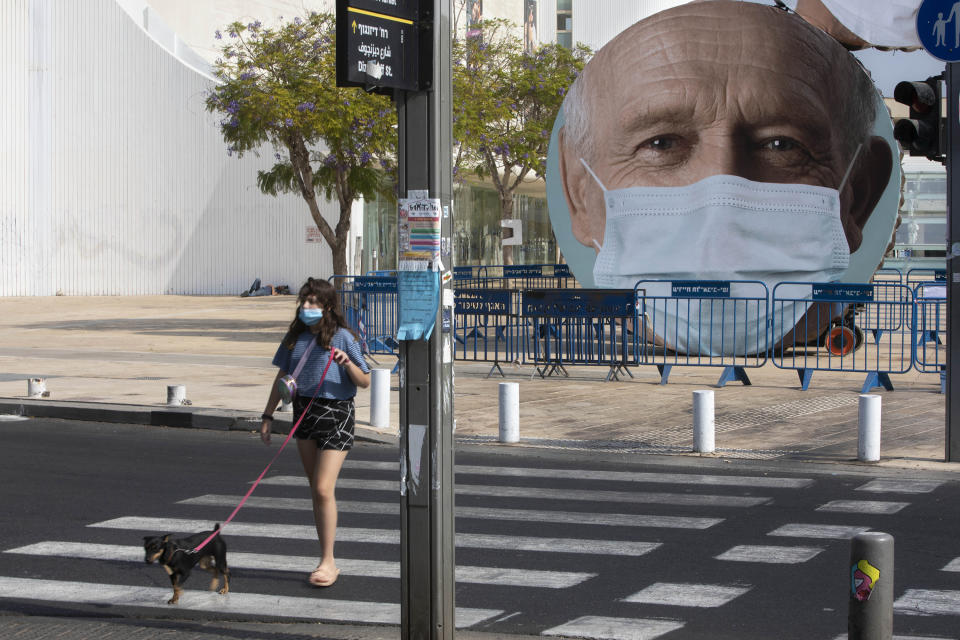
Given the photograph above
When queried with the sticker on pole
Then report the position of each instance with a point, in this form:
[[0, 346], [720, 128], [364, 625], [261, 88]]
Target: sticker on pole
[[863, 579]]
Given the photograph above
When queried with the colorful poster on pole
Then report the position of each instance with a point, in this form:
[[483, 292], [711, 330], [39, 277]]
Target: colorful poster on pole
[[419, 232]]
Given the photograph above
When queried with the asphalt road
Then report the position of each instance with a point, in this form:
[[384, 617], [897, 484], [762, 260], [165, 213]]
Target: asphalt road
[[549, 542]]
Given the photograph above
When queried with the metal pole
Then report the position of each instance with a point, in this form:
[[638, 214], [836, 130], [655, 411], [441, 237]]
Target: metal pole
[[703, 422], [952, 440], [509, 396], [870, 587], [380, 398], [868, 428], [426, 368]]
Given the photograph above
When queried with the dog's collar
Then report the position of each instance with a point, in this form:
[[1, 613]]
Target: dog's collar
[[168, 558]]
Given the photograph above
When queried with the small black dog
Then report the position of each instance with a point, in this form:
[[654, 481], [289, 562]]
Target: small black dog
[[178, 559]]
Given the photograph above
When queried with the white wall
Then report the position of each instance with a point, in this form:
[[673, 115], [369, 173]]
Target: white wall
[[113, 178], [195, 22]]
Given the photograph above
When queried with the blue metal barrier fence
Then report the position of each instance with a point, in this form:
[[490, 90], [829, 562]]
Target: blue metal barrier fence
[[580, 326], [930, 329], [487, 326], [818, 322], [702, 324], [370, 305]]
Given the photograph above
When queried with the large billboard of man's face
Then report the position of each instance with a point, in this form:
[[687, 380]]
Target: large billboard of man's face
[[723, 141]]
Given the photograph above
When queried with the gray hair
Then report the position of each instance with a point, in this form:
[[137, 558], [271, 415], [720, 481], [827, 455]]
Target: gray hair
[[857, 104]]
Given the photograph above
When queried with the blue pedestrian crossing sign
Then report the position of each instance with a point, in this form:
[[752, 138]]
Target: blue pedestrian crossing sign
[[938, 26]]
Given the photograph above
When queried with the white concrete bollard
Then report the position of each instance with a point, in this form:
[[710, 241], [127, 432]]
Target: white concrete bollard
[[37, 388], [509, 412], [868, 428], [703, 423], [176, 395], [380, 398]]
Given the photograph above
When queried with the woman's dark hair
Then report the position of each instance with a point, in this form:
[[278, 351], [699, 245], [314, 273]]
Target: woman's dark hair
[[329, 300]]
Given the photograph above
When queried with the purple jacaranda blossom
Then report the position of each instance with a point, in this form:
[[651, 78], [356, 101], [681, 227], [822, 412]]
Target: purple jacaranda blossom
[[218, 35], [289, 122]]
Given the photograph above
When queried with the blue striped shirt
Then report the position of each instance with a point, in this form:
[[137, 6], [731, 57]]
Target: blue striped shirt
[[337, 385]]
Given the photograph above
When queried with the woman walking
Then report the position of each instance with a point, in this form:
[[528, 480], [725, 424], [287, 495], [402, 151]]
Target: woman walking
[[325, 434]]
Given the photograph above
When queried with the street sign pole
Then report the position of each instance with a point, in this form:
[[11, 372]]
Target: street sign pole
[[952, 440], [426, 367]]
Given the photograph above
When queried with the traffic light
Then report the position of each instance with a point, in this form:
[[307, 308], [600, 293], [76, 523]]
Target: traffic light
[[922, 133]]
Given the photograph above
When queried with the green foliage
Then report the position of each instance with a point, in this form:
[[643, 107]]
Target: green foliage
[[278, 87], [505, 102]]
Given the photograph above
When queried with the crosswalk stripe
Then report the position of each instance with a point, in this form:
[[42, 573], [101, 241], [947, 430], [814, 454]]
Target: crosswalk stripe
[[871, 507], [303, 564], [953, 565], [643, 497], [697, 479], [524, 515], [385, 536], [769, 554], [845, 636], [604, 628], [249, 604], [687, 595], [830, 531], [885, 485], [926, 602]]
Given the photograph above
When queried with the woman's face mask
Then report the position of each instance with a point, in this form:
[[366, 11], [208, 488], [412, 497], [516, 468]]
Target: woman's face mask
[[310, 317]]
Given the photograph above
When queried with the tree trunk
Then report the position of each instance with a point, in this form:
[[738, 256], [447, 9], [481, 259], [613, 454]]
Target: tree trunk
[[506, 213], [340, 246]]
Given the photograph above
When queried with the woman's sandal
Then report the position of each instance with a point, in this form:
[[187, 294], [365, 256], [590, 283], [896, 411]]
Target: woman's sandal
[[315, 578]]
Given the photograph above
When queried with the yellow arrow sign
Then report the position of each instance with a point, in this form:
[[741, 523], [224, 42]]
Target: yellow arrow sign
[[354, 26]]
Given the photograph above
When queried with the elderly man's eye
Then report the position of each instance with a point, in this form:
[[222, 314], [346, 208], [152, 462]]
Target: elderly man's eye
[[781, 144], [662, 143]]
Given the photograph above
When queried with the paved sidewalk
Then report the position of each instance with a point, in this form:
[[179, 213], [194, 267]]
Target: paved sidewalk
[[112, 358]]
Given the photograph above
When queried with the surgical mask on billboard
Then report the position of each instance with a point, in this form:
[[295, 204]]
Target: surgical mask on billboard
[[720, 228]]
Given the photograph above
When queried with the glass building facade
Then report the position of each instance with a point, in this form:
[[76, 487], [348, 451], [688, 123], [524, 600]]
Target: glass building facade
[[477, 232], [921, 238]]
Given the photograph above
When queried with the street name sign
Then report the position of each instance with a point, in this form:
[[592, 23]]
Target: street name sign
[[379, 45]]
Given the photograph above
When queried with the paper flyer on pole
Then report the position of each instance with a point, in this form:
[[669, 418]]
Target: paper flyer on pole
[[419, 298]]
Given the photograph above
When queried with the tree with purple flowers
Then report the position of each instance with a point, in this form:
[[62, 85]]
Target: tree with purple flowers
[[277, 86], [505, 102]]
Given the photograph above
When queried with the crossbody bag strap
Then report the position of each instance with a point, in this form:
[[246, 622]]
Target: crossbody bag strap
[[303, 358]]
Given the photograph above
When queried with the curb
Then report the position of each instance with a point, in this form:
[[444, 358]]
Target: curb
[[177, 417]]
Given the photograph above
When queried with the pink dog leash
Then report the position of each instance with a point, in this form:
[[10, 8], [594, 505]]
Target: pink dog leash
[[277, 455]]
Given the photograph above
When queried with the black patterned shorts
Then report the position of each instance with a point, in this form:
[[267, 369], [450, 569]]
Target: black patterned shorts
[[329, 422]]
